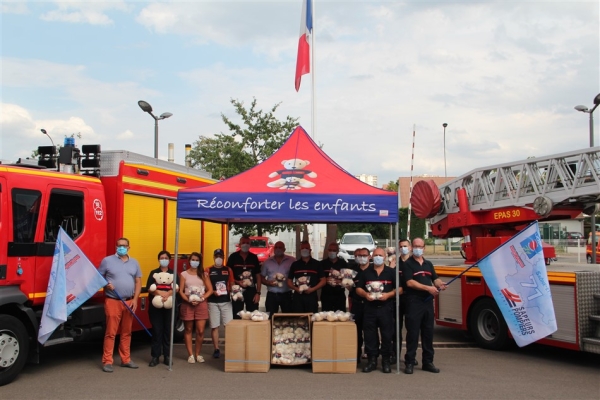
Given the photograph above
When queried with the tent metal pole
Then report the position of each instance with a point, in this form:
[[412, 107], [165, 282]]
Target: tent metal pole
[[175, 280], [398, 333]]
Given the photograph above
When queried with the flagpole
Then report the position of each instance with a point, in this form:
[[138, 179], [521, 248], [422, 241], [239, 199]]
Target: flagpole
[[312, 68], [412, 163]]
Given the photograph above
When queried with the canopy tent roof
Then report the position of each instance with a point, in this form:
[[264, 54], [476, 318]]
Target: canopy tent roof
[[298, 183]]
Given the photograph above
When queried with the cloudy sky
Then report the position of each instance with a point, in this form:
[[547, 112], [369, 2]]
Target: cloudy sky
[[504, 76]]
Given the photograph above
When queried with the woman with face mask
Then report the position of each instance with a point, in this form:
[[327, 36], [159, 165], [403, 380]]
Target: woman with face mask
[[194, 288], [160, 318]]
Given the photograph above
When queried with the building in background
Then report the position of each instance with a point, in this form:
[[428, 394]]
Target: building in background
[[369, 179]]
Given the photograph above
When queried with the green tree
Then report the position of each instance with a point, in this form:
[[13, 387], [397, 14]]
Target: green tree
[[246, 145], [392, 186]]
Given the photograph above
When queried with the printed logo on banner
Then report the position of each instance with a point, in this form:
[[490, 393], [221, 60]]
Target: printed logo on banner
[[511, 298], [530, 245]]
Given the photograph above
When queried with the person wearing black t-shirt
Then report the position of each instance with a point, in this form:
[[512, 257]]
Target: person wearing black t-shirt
[[422, 285], [377, 286], [333, 295], [219, 303], [246, 272], [357, 303], [305, 278]]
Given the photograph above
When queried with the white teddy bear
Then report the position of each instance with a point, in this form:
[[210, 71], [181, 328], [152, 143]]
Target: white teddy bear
[[293, 176], [375, 290], [348, 276], [303, 283], [279, 277], [195, 293], [164, 281], [237, 293], [246, 279]]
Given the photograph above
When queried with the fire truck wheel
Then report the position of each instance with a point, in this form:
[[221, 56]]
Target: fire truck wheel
[[488, 326], [14, 348]]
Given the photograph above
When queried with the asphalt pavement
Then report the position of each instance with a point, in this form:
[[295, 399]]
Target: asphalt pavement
[[74, 372]]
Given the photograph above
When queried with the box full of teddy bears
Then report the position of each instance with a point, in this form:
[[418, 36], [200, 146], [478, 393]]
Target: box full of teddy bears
[[334, 347], [248, 346], [291, 344]]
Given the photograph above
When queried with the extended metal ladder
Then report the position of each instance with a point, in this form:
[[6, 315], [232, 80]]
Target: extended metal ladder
[[561, 180]]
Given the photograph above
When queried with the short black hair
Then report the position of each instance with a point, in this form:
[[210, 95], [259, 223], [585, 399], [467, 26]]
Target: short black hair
[[160, 253]]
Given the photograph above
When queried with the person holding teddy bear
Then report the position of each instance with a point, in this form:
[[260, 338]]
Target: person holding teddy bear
[[160, 317], [194, 290]]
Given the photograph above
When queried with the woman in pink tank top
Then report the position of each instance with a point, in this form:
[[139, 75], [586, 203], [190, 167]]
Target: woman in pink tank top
[[194, 288]]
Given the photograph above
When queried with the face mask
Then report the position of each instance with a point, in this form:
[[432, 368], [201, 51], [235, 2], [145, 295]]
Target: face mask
[[279, 252], [122, 251], [404, 250], [378, 260], [417, 252], [164, 263], [218, 262], [194, 264], [305, 253], [362, 260], [245, 247], [332, 255]]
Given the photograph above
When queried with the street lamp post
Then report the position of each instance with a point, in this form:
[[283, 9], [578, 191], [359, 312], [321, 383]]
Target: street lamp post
[[593, 216], [146, 107]]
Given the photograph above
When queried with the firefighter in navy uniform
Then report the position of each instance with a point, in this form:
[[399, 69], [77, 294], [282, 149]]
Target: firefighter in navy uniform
[[422, 285], [246, 272], [333, 296], [378, 287], [357, 302], [305, 278]]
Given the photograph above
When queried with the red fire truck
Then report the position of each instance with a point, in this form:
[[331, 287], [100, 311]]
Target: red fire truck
[[96, 197], [486, 207]]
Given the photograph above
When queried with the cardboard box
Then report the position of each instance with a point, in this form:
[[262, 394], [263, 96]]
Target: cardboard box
[[296, 320], [334, 347], [247, 346]]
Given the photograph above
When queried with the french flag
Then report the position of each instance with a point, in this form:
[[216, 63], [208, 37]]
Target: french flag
[[306, 26]]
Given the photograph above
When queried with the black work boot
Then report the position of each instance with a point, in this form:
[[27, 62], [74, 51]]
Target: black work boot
[[371, 365], [385, 365]]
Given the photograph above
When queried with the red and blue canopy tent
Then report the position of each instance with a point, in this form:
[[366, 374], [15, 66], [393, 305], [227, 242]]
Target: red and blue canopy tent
[[298, 183]]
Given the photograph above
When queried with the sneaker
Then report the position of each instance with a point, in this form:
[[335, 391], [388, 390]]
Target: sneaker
[[191, 360], [107, 368], [200, 359], [217, 353], [130, 364]]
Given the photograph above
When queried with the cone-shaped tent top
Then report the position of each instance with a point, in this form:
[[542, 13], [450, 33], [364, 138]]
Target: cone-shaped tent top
[[298, 183]]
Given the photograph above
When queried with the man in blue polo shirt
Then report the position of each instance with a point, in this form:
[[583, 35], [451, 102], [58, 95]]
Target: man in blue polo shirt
[[274, 275], [122, 292]]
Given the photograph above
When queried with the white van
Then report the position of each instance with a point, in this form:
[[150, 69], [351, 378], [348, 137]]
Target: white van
[[356, 240]]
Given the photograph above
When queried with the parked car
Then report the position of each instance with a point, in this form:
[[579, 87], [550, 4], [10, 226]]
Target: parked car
[[356, 240], [574, 238], [262, 246]]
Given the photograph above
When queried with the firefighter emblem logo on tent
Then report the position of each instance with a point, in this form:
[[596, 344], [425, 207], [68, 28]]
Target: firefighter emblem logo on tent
[[294, 176]]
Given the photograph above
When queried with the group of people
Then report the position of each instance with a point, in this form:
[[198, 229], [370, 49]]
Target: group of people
[[292, 287]]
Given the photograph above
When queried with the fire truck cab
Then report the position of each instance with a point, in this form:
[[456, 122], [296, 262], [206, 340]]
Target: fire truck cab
[[96, 197]]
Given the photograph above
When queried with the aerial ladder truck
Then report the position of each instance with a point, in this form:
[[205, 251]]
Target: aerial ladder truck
[[486, 207]]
